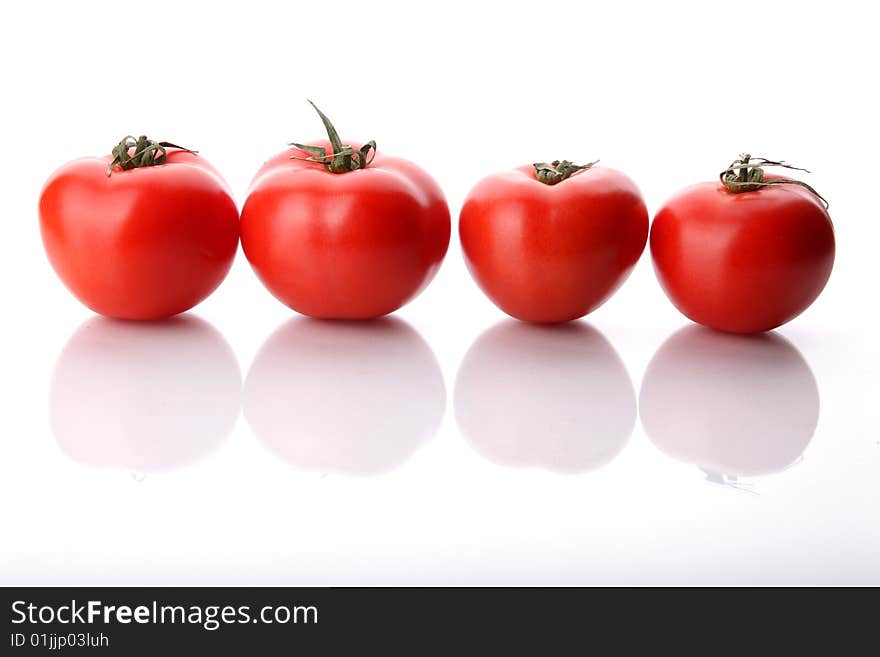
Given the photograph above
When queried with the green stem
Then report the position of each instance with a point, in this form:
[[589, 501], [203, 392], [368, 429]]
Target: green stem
[[344, 158], [131, 153], [558, 170], [747, 175]]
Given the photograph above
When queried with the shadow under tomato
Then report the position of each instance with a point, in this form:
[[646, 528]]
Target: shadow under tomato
[[734, 405], [357, 398], [144, 396], [554, 397]]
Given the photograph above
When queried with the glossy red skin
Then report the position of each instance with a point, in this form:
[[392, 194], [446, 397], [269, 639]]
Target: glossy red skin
[[552, 253], [354, 245], [742, 263], [146, 243]]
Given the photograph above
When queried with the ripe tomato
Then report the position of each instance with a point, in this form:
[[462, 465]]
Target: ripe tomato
[[335, 234], [746, 254], [546, 247], [146, 234]]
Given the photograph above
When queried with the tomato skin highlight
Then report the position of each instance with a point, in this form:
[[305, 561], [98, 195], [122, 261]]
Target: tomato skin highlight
[[743, 263], [552, 253], [147, 243], [354, 245]]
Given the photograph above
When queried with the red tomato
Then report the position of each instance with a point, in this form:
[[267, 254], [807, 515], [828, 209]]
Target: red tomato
[[746, 259], [552, 252], [352, 244], [144, 243]]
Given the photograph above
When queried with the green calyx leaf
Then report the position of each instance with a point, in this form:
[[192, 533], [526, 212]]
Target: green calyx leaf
[[319, 153], [746, 174], [344, 158], [558, 170], [131, 153]]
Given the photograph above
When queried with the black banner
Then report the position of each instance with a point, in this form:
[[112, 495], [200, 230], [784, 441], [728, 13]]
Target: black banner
[[335, 621]]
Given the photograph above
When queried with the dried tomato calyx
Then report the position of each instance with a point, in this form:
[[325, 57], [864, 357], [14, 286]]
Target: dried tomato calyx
[[558, 170], [746, 174]]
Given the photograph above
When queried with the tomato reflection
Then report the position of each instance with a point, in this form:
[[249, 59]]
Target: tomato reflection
[[352, 397], [144, 396], [553, 397], [736, 406]]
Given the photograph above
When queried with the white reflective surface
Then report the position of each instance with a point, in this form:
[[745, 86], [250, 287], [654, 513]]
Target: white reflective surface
[[347, 465]]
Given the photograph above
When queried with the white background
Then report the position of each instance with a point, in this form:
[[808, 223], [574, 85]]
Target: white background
[[135, 463]]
